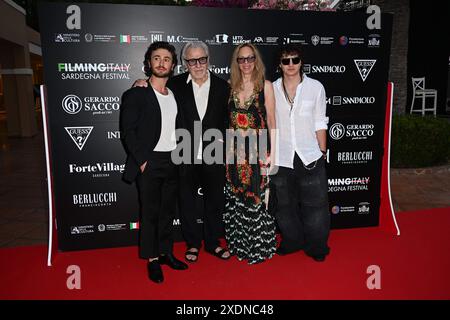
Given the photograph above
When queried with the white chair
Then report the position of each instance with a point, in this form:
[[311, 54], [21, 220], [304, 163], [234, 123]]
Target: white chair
[[420, 92]]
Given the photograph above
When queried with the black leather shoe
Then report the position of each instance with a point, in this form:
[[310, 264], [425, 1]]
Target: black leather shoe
[[172, 262], [155, 272]]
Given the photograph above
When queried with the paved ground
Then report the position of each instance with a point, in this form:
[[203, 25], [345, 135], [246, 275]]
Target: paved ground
[[23, 190]]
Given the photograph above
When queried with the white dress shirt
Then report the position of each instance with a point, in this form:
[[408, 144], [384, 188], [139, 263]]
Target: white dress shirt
[[167, 140], [201, 95], [297, 127]]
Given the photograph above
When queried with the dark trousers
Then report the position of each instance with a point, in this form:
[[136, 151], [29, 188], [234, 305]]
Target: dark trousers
[[157, 188], [302, 212], [211, 179]]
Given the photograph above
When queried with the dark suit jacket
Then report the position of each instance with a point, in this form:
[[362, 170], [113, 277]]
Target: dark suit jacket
[[140, 126], [216, 115]]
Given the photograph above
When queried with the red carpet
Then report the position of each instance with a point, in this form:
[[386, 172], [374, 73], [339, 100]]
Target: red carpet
[[415, 265]]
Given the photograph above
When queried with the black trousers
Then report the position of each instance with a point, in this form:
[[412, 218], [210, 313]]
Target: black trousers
[[157, 189], [211, 179], [302, 212]]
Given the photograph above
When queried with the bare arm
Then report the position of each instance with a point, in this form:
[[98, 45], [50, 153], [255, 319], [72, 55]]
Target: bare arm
[[269, 98], [322, 139]]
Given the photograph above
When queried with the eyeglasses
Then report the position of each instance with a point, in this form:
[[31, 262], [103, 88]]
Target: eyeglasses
[[193, 62], [287, 61], [249, 59]]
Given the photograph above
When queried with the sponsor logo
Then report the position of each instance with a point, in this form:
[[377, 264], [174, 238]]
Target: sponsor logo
[[73, 104], [307, 68], [85, 200], [213, 68], [240, 40], [94, 71], [326, 40], [93, 67], [354, 131], [67, 37], [364, 67], [79, 135], [98, 170], [258, 40], [113, 135], [221, 38], [364, 208], [134, 225], [294, 38], [105, 38], [341, 209], [156, 36], [126, 38], [219, 70], [373, 41], [117, 227], [348, 184], [335, 209], [179, 39], [81, 229], [343, 40], [88, 37], [339, 100], [315, 40], [337, 131], [272, 40], [354, 40], [218, 39], [354, 157]]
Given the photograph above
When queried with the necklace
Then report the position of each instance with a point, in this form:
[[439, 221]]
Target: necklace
[[286, 95]]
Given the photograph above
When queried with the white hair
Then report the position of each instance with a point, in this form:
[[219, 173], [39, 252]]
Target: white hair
[[191, 45]]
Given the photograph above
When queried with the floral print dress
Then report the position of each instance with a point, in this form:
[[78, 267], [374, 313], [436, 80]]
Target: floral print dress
[[249, 228]]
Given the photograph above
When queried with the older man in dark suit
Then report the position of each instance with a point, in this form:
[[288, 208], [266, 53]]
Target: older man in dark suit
[[202, 100]]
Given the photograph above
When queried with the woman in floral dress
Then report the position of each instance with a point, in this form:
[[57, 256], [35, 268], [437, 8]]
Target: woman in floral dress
[[249, 228]]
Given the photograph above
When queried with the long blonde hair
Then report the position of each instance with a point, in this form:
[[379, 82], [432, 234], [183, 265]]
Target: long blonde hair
[[258, 75]]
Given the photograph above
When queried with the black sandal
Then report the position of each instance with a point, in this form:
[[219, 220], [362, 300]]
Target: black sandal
[[219, 254], [191, 253]]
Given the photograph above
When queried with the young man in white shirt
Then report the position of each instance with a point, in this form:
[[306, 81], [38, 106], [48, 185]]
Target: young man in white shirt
[[301, 184], [148, 127]]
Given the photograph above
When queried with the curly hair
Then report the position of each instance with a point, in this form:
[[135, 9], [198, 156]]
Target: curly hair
[[153, 47]]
